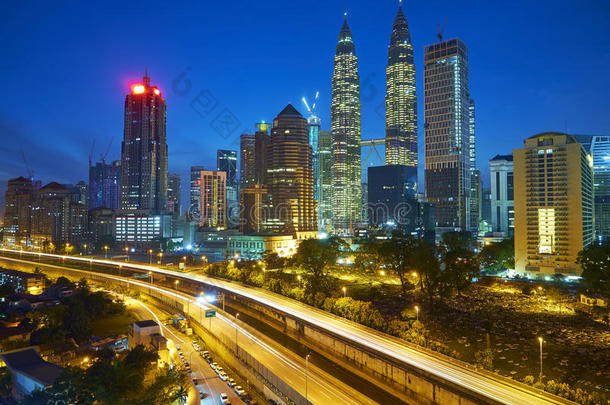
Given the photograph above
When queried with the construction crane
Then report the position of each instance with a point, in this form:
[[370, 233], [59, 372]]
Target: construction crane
[[27, 166], [91, 153], [439, 30], [312, 110], [103, 157]]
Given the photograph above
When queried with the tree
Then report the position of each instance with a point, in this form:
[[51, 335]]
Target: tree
[[394, 255], [498, 255], [461, 266], [595, 263], [454, 240], [6, 384], [273, 260], [315, 255], [6, 290]]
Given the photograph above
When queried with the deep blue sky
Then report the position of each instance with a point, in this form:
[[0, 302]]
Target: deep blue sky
[[65, 69]]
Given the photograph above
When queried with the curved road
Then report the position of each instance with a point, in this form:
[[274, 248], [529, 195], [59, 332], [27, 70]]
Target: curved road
[[494, 387]]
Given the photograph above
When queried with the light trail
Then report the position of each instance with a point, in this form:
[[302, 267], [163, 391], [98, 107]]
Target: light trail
[[315, 375], [491, 386]]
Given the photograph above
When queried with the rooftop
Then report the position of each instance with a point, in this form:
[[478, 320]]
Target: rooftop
[[508, 158], [146, 324], [28, 362]]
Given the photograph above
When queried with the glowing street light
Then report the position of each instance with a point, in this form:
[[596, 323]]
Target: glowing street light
[[306, 369], [127, 252], [150, 251], [106, 252], [300, 278], [344, 291], [417, 312], [161, 258]]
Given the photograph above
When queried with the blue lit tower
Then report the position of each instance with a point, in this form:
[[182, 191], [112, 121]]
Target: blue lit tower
[[313, 124]]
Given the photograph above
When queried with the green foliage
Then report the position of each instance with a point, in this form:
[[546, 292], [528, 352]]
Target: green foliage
[[357, 311], [6, 384], [315, 255], [455, 240], [461, 266], [484, 358], [595, 262], [497, 256], [274, 261], [132, 378]]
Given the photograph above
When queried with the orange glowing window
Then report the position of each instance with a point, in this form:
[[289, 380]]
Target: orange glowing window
[[137, 89], [157, 92]]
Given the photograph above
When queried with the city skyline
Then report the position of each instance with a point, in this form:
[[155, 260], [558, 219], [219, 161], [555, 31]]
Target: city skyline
[[543, 91]]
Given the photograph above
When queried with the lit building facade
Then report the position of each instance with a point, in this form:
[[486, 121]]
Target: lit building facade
[[325, 182], [18, 211], [195, 193], [246, 162], [144, 150], [401, 98], [502, 195], [345, 136], [313, 124], [173, 194], [141, 227], [289, 175], [213, 199], [226, 161], [261, 141], [553, 177], [475, 174], [105, 185], [447, 133]]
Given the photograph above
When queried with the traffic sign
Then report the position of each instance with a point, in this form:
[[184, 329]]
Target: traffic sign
[[210, 313]]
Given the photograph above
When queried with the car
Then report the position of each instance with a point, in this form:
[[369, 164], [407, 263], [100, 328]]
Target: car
[[239, 390], [195, 381], [223, 376], [187, 364], [224, 398], [219, 370], [205, 353], [201, 395], [214, 365], [230, 382]]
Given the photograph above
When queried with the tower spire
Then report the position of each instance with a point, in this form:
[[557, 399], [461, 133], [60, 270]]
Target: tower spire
[[146, 79]]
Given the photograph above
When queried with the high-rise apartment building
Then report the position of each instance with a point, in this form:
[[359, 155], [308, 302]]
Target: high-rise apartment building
[[57, 218], [400, 99], [447, 133], [173, 194], [502, 195], [18, 211], [144, 150], [105, 185], [345, 130], [246, 162], [553, 177], [213, 206], [325, 182], [195, 193]]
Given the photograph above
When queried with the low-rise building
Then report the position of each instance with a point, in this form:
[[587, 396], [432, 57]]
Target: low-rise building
[[29, 371], [23, 282], [256, 245], [148, 333]]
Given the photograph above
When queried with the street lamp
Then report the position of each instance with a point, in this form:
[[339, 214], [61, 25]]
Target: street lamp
[[161, 258], [150, 278], [127, 252], [120, 267], [540, 340], [306, 369], [150, 256], [299, 278], [344, 291], [417, 312], [106, 252]]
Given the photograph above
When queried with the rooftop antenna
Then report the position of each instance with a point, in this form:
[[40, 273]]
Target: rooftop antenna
[[439, 30], [311, 110]]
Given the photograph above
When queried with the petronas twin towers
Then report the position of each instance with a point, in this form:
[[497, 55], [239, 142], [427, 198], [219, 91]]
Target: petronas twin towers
[[400, 119]]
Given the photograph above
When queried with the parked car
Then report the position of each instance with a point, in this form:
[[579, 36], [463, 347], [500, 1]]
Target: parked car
[[223, 376], [224, 398], [214, 365], [231, 382], [239, 390]]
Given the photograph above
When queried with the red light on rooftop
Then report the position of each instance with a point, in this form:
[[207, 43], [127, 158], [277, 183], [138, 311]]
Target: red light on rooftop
[[157, 91], [137, 89]]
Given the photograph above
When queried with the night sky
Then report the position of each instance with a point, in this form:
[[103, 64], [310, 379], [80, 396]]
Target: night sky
[[65, 69]]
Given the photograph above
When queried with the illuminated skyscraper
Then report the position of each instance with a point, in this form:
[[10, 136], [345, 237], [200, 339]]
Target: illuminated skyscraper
[[246, 162], [195, 192], [105, 185], [226, 161], [345, 130], [447, 133], [144, 150], [173, 194], [400, 98], [553, 176], [475, 175], [326, 185], [289, 175], [213, 205]]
